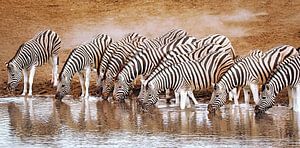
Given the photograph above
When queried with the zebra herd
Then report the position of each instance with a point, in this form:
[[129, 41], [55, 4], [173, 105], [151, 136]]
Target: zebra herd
[[174, 61]]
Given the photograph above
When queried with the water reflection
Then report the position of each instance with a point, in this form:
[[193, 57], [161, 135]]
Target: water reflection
[[71, 119]]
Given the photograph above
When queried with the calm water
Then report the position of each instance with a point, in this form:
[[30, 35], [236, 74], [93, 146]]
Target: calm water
[[41, 122]]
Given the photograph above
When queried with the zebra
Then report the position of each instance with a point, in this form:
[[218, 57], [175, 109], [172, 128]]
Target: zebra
[[34, 53], [111, 49], [194, 54], [287, 74], [249, 72], [187, 76], [200, 48], [145, 63], [82, 58], [121, 55], [146, 45]]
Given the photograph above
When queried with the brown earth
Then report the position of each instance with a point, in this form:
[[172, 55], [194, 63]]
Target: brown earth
[[249, 25]]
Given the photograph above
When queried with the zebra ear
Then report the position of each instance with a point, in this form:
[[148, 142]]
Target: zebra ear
[[6, 64]]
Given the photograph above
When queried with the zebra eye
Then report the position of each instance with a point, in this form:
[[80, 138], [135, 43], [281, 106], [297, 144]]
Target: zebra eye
[[63, 85], [217, 95], [13, 75]]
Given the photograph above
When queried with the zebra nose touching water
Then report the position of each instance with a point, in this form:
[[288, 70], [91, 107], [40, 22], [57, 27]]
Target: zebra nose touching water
[[34, 53], [252, 70], [82, 59]]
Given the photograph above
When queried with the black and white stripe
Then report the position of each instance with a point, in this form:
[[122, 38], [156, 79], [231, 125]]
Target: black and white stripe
[[145, 63], [34, 53], [82, 58], [111, 49], [142, 64], [250, 71], [187, 76], [287, 75], [146, 45]]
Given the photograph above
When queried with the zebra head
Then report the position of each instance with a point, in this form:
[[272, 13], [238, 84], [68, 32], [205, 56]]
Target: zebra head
[[121, 90], [218, 98], [63, 87], [151, 95], [14, 76], [108, 86], [267, 99]]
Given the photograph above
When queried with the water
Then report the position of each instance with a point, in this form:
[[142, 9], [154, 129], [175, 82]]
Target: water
[[42, 122]]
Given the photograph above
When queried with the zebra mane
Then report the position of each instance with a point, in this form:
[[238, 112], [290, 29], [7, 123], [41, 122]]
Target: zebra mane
[[18, 51]]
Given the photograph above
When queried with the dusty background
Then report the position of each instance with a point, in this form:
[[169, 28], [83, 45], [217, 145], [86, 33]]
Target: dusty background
[[249, 24]]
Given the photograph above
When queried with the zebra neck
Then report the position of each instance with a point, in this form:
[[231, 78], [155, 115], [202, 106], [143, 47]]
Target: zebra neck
[[22, 61], [278, 82]]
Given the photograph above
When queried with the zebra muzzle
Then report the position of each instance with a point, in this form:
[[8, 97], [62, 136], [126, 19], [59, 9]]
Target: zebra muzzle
[[59, 96]]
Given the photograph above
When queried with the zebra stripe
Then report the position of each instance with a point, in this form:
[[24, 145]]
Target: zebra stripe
[[287, 74], [147, 45], [250, 71], [121, 55], [111, 49], [187, 76], [82, 58], [149, 64], [142, 64], [34, 53], [185, 53]]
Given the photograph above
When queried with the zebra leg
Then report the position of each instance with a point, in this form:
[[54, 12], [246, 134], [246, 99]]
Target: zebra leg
[[54, 69], [254, 89], [236, 95], [290, 95], [246, 95], [183, 98], [231, 94], [81, 80], [177, 98], [168, 92], [296, 101], [31, 76], [25, 74], [191, 95], [188, 102], [87, 81]]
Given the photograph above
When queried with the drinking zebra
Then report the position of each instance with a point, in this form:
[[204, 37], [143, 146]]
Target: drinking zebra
[[144, 63], [82, 58], [187, 76], [250, 71], [121, 55], [111, 49], [147, 45], [287, 75], [31, 54]]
